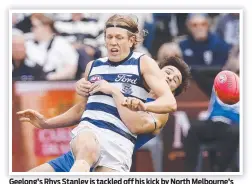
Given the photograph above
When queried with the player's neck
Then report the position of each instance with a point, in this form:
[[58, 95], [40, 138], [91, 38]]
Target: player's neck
[[122, 59]]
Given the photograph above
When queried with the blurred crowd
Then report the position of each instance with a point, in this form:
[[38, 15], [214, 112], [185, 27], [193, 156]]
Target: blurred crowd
[[58, 46]]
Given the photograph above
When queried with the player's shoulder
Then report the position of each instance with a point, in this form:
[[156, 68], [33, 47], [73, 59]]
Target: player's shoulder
[[137, 55], [97, 62], [146, 62], [145, 59]]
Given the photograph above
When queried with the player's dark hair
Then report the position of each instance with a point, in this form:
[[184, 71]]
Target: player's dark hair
[[184, 69]]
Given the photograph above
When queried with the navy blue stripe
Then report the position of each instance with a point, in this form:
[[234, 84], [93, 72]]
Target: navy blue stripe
[[103, 107], [100, 63], [110, 126], [126, 95]]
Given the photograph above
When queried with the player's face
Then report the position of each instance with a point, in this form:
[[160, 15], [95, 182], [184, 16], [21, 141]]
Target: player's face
[[118, 43], [172, 76]]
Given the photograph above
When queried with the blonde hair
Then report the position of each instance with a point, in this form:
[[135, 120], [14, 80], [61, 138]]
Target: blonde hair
[[128, 22]]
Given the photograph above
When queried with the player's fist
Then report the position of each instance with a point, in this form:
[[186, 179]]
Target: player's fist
[[134, 104], [82, 87], [101, 86], [33, 117]]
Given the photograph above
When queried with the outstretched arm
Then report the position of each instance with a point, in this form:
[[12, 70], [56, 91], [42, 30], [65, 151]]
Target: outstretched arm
[[69, 118]]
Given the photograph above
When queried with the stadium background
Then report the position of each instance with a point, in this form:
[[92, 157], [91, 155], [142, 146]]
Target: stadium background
[[31, 146]]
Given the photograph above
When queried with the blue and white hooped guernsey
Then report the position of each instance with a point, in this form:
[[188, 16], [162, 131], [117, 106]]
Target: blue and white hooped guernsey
[[101, 109]]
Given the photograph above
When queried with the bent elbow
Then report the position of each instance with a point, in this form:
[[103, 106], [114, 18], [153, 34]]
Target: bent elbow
[[171, 104], [134, 130], [172, 107], [145, 126]]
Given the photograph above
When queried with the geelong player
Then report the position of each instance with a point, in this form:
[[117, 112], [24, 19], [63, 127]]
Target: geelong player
[[113, 148], [176, 73]]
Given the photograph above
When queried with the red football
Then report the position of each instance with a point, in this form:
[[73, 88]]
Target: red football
[[227, 87]]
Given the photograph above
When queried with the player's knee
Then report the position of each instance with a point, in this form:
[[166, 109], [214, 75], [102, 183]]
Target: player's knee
[[86, 147]]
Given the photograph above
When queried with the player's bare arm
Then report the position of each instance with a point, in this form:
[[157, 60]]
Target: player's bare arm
[[147, 122], [166, 102], [69, 118]]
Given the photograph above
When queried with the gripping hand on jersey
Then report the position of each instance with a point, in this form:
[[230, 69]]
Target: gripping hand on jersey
[[33, 117], [101, 86], [83, 87], [134, 104]]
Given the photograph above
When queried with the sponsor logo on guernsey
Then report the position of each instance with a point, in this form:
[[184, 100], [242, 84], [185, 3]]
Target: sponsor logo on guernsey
[[125, 78], [95, 78]]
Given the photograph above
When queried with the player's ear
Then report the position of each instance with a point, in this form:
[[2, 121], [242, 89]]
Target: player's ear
[[132, 40]]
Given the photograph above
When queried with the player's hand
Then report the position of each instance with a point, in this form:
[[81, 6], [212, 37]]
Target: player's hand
[[101, 86], [82, 87], [134, 104], [33, 117]]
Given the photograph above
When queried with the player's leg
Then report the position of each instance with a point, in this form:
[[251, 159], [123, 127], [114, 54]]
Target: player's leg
[[86, 150], [43, 168], [229, 143], [199, 132], [62, 163]]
